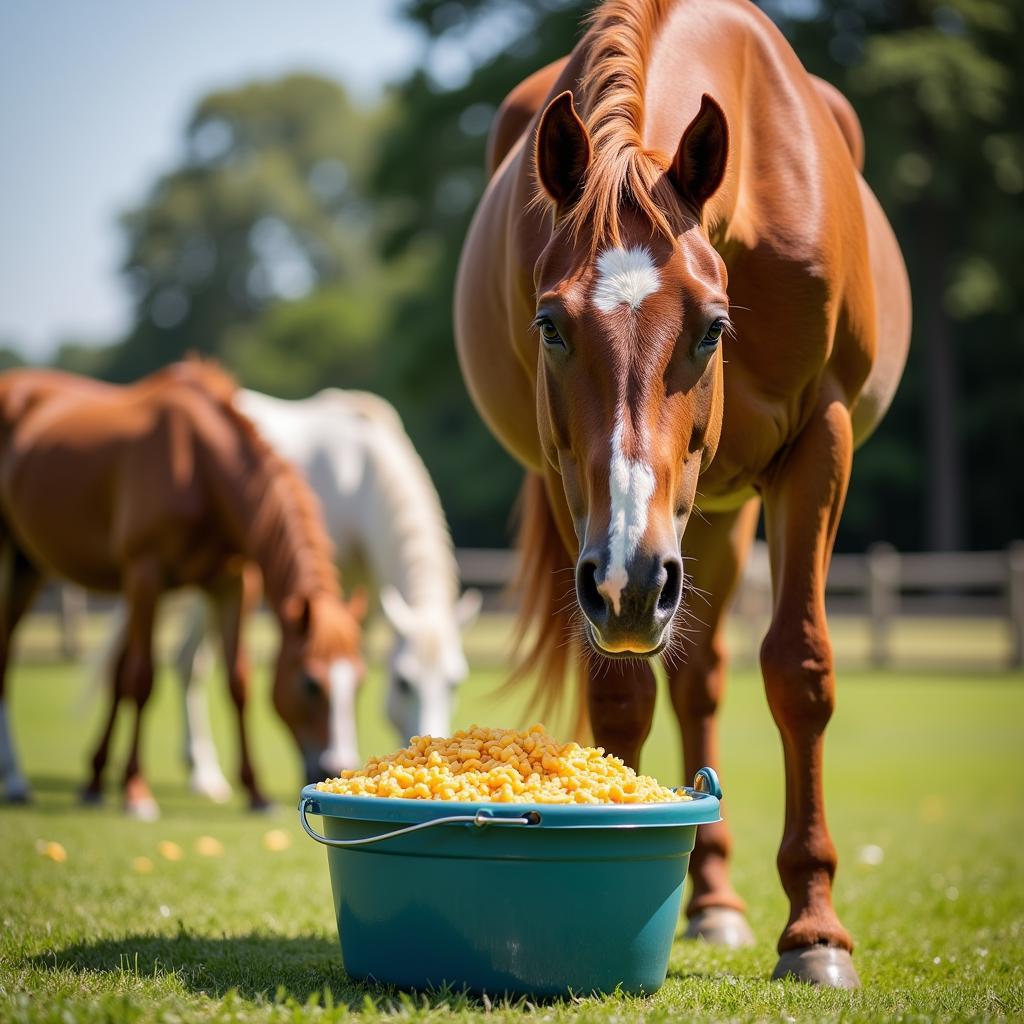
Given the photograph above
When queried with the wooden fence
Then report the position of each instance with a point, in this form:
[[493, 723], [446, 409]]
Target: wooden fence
[[879, 587]]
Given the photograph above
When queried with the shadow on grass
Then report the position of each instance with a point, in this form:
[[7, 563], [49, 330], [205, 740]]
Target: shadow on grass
[[257, 967]]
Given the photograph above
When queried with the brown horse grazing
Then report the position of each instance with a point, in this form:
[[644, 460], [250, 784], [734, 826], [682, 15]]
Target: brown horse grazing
[[678, 290], [163, 484]]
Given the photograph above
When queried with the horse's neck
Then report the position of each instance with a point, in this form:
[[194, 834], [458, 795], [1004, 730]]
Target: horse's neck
[[399, 522]]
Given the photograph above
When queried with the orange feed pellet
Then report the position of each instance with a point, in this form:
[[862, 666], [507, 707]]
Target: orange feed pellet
[[501, 766]]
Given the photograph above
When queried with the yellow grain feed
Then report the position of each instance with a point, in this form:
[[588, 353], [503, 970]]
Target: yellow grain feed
[[501, 766]]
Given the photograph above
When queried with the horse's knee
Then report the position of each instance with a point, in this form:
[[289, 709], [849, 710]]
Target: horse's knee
[[697, 686], [135, 677], [798, 677]]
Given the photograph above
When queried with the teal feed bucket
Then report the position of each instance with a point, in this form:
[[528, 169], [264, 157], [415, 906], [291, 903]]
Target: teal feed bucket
[[518, 899]]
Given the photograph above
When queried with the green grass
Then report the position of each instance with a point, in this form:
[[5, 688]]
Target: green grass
[[927, 767]]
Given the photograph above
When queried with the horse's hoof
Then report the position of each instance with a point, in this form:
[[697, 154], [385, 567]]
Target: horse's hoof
[[213, 787], [142, 809], [261, 805], [721, 926], [828, 966], [90, 797]]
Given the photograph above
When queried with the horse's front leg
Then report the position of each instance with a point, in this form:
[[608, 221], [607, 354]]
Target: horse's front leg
[[233, 601], [620, 698], [803, 499]]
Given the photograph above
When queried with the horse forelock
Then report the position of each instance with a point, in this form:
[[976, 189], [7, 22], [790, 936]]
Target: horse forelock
[[612, 104]]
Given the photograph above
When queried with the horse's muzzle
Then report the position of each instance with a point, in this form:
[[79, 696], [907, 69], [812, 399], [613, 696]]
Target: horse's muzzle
[[629, 616]]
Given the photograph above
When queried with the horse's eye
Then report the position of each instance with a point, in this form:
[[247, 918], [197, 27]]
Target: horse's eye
[[311, 686], [712, 337], [549, 333], [404, 686]]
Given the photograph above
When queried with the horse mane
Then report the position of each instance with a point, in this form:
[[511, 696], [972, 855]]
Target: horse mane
[[287, 532], [416, 519], [611, 103]]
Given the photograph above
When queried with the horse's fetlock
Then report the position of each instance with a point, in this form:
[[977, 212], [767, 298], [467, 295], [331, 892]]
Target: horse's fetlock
[[806, 855]]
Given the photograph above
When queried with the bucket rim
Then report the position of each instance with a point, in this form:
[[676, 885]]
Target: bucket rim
[[701, 809]]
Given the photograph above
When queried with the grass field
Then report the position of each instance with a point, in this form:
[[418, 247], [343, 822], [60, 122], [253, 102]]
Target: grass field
[[927, 768]]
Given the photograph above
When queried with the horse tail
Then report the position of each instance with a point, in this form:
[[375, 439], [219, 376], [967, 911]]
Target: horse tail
[[845, 116], [544, 634]]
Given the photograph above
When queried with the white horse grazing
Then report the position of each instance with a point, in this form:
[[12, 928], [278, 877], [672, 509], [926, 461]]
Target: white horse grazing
[[385, 518]]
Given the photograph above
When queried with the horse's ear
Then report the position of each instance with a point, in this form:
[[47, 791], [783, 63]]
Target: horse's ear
[[699, 164], [563, 150], [398, 612]]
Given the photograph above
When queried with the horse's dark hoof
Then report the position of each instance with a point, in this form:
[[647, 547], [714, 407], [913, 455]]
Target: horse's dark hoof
[[261, 805], [721, 926], [90, 797], [828, 966], [19, 796]]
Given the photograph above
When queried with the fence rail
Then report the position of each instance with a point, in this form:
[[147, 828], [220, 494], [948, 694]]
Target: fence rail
[[879, 586]]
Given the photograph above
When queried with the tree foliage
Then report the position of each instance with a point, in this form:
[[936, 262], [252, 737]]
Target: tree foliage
[[266, 207]]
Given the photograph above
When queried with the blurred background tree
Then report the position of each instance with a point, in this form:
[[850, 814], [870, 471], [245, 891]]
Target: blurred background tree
[[307, 241], [259, 247]]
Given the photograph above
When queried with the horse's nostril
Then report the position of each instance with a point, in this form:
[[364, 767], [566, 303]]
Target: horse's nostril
[[672, 589], [591, 601]]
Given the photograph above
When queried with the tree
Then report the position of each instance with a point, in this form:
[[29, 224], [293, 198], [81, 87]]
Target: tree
[[265, 206]]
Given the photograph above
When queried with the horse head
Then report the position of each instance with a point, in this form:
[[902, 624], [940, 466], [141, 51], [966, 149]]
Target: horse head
[[319, 669], [426, 664], [629, 321]]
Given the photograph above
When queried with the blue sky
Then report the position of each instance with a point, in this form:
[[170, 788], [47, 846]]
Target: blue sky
[[95, 96]]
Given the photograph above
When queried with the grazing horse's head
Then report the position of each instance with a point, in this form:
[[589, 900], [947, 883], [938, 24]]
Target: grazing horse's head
[[427, 663], [318, 670], [630, 320]]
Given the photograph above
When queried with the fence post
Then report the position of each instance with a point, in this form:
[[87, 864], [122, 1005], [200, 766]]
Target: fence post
[[1016, 603], [883, 563]]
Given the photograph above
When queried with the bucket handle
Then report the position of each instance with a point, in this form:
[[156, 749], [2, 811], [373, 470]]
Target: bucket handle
[[482, 818], [706, 781]]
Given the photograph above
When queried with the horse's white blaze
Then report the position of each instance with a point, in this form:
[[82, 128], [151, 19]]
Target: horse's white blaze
[[14, 782], [631, 483], [342, 750], [624, 277]]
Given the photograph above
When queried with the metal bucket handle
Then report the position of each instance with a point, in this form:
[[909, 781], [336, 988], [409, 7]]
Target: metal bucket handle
[[705, 781], [483, 817]]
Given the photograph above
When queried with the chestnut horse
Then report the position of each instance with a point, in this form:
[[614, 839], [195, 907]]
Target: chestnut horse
[[677, 291], [159, 485]]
